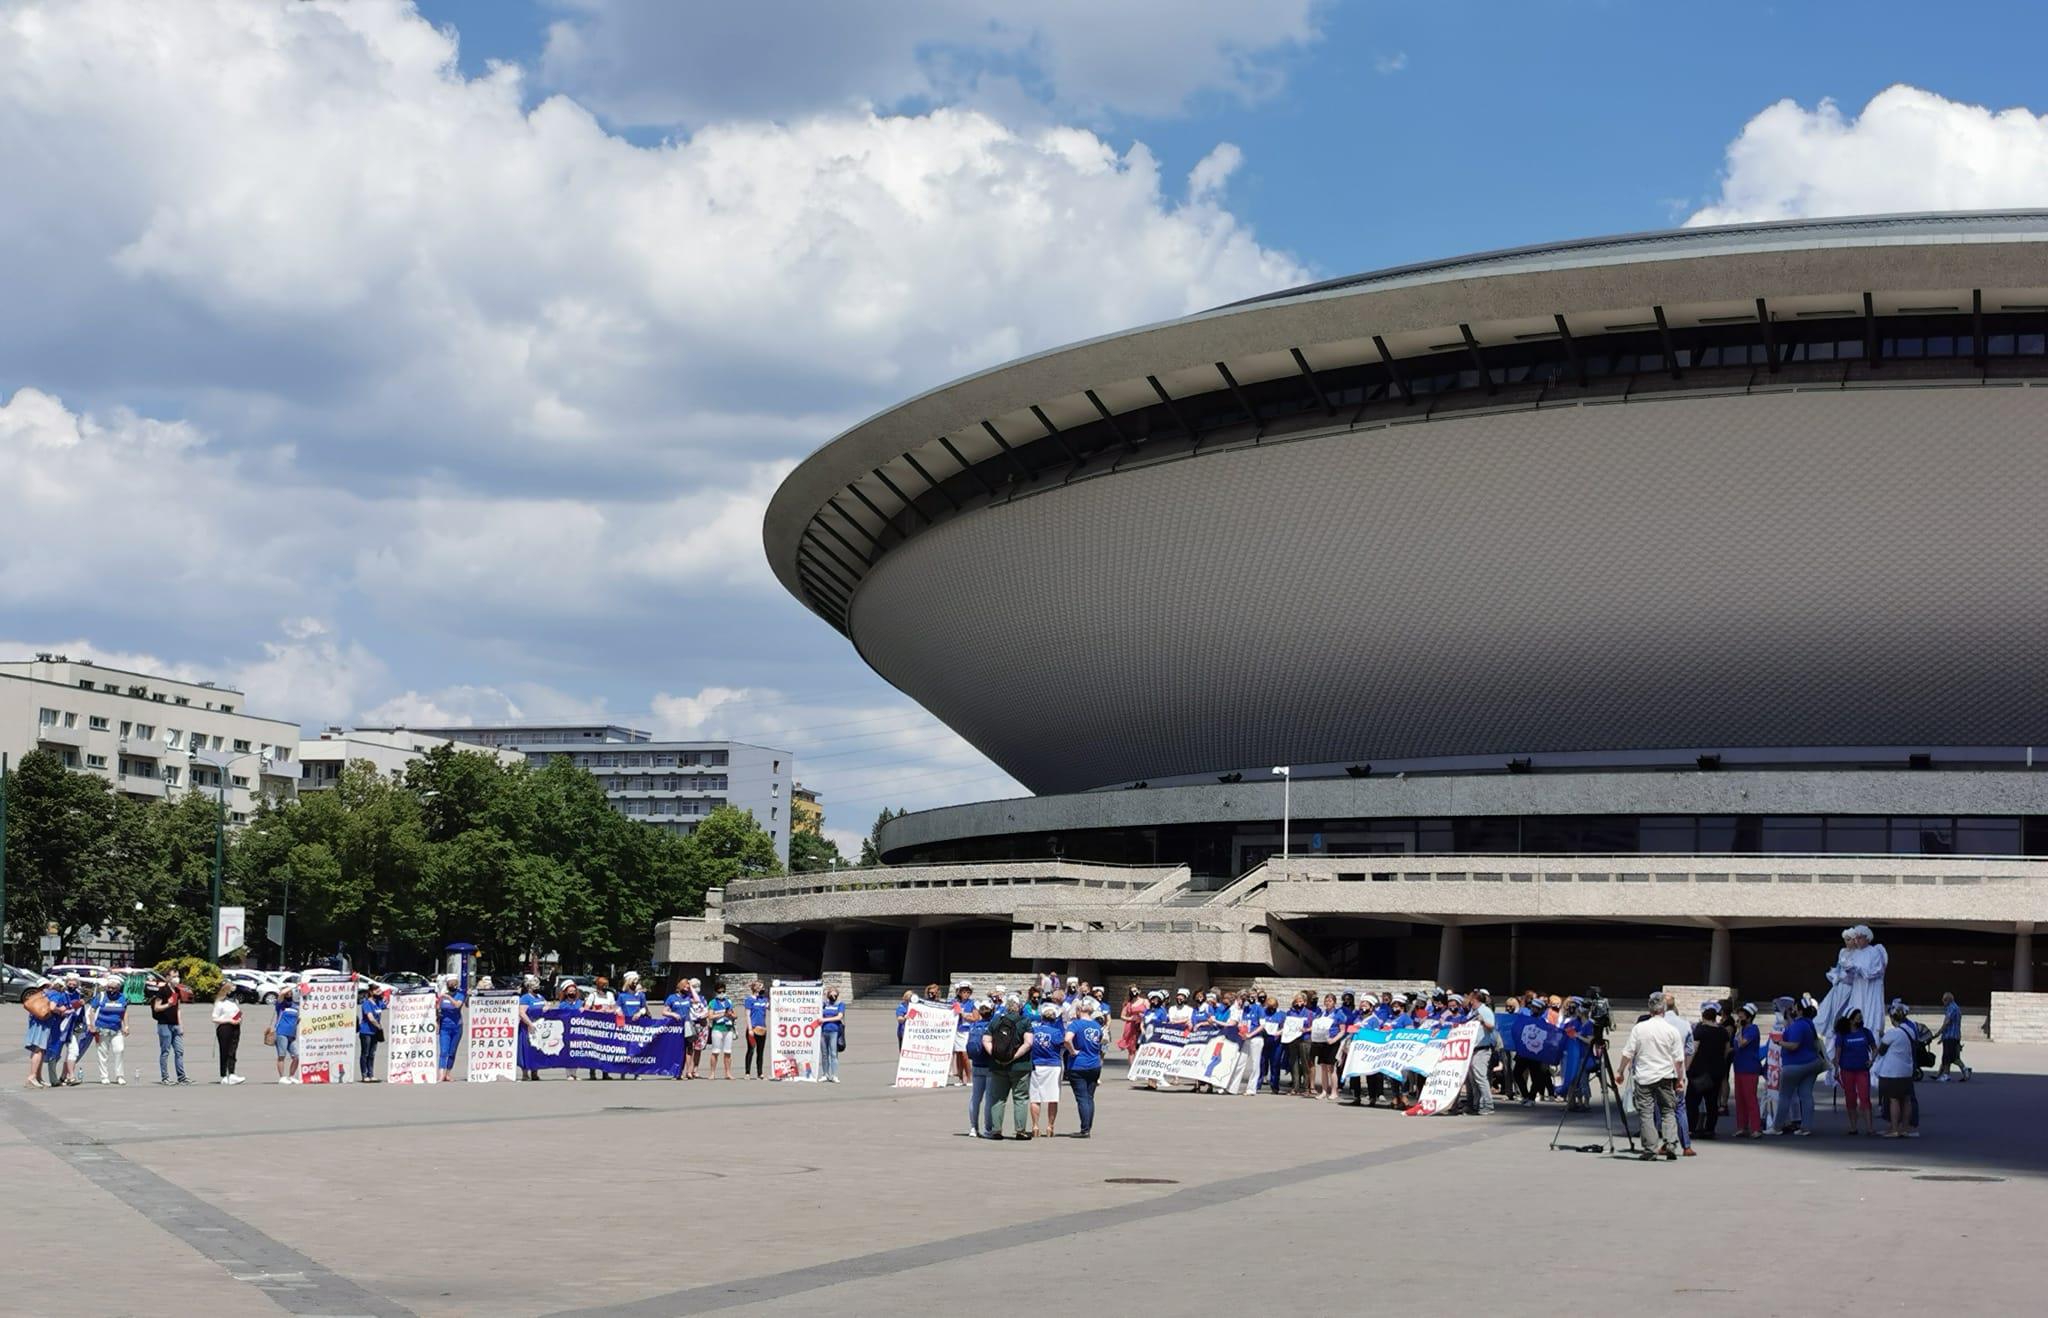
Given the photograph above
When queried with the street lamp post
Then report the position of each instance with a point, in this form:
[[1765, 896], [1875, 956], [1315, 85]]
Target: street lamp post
[[220, 836], [1286, 773]]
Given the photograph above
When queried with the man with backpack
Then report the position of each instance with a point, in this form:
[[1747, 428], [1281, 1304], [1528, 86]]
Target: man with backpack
[[1008, 1044]]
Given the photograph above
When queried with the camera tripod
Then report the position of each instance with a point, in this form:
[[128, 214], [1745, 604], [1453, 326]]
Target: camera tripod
[[1611, 1110]]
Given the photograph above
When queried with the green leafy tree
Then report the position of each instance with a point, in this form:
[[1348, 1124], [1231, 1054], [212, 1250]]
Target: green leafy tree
[[729, 845], [871, 845], [76, 855], [810, 852]]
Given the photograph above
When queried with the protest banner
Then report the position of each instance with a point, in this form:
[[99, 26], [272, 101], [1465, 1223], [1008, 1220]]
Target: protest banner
[[1391, 1053], [565, 1039], [926, 1058], [1774, 1072], [1157, 1054], [494, 1035], [1208, 1057], [1447, 1075], [795, 1008], [327, 1031], [411, 1039]]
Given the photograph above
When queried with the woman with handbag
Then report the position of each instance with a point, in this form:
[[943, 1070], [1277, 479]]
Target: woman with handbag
[[832, 1028], [41, 1020]]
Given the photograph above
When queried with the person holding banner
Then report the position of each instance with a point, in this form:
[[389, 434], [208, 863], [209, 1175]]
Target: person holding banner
[[757, 1030], [531, 1007], [369, 1029], [284, 1035], [1478, 1087], [831, 1043], [632, 1002], [449, 1010]]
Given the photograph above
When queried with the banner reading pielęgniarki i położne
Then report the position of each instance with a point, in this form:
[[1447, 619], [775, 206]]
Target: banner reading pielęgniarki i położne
[[795, 1008]]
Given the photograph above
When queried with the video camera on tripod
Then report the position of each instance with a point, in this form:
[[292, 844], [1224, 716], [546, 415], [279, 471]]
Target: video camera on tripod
[[1598, 1011]]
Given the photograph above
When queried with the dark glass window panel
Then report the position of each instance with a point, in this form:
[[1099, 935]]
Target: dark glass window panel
[[1792, 833], [1718, 835], [1987, 837], [2030, 345], [1435, 837], [1671, 835], [1858, 834], [1492, 834]]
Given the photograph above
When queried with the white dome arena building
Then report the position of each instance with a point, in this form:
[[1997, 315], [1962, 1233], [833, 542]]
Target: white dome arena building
[[1718, 542]]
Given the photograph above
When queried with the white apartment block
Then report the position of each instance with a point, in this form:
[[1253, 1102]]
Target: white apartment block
[[665, 784], [148, 736], [389, 752]]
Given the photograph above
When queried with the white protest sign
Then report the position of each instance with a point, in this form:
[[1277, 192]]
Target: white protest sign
[[494, 1035], [1153, 1060], [1208, 1062], [1447, 1073], [327, 1031], [927, 1055], [411, 1036], [795, 1008]]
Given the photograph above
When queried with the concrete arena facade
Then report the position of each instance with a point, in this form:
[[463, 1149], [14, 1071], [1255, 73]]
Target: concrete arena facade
[[1606, 514]]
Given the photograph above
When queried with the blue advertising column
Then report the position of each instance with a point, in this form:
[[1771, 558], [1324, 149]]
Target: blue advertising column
[[468, 953]]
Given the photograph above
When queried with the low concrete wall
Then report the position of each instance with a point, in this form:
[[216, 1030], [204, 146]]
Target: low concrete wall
[[854, 985], [1692, 996], [2018, 1018]]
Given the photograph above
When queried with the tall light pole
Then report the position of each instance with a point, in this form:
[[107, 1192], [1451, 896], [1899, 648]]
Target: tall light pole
[[3, 857], [220, 836], [1286, 773]]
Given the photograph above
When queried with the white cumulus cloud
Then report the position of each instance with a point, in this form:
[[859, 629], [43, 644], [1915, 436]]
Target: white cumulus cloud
[[1908, 150]]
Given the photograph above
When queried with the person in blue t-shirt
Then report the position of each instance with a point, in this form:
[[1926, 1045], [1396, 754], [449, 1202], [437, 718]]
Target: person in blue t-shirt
[[285, 1031], [449, 1011], [1800, 1048], [832, 1036], [756, 1004], [1084, 1043], [719, 1027], [531, 1008], [1251, 1047], [108, 1012], [902, 1015], [974, 1018], [1854, 1048], [369, 1029], [632, 998], [1048, 1053], [1746, 1059]]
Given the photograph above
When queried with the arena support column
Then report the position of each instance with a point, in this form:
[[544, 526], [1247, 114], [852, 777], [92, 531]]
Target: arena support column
[[1721, 957], [2023, 958], [1450, 956], [921, 955]]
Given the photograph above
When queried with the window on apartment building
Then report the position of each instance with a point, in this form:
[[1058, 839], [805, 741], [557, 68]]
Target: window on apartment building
[[126, 727], [85, 684], [241, 747], [96, 722], [182, 700], [664, 760], [171, 774], [138, 690], [240, 780], [110, 688], [158, 697], [70, 758], [173, 738], [146, 731], [70, 719], [227, 709], [775, 766], [237, 817], [774, 789], [773, 811], [47, 717], [95, 761]]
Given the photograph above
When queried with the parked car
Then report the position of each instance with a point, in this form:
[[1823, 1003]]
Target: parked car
[[403, 980], [15, 981], [254, 985], [89, 975]]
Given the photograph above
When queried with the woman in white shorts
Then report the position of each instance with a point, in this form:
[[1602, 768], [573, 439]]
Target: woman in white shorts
[[719, 1044]]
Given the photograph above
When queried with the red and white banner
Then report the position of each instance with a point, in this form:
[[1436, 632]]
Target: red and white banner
[[494, 1035], [927, 1054], [327, 1031], [795, 1009], [412, 1039], [1447, 1073]]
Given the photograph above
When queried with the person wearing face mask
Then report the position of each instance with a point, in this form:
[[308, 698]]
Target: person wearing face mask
[[1251, 1046]]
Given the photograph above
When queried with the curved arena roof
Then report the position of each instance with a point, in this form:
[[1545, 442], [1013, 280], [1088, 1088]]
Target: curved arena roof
[[1457, 509]]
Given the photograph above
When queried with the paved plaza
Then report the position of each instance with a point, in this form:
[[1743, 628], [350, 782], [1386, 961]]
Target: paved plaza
[[651, 1198]]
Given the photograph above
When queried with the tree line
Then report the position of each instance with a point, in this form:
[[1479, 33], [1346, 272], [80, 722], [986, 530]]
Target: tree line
[[461, 848]]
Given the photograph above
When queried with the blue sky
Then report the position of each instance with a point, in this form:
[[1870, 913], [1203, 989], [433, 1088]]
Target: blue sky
[[435, 363]]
